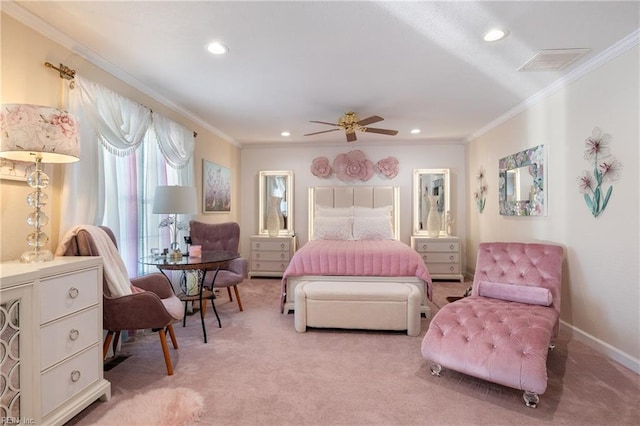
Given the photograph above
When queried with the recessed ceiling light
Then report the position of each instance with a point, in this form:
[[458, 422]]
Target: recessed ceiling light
[[495, 35], [285, 133], [415, 131], [217, 48]]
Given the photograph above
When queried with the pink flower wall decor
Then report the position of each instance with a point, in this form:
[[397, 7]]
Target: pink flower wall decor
[[353, 165], [320, 167], [388, 167]]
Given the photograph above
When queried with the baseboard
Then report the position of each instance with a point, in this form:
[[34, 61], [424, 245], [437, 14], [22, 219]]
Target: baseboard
[[606, 349]]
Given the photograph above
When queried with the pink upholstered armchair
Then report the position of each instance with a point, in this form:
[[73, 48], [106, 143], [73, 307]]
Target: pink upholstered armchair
[[225, 237], [503, 331], [156, 307]]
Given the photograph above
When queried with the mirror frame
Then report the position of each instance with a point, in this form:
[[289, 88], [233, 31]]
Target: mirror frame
[[418, 199], [263, 203], [533, 158]]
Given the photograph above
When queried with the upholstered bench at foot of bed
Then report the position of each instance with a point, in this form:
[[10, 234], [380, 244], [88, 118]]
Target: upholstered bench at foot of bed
[[357, 305]]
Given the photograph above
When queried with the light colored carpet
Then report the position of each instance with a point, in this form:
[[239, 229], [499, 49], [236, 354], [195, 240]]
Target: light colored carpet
[[257, 370], [162, 407]]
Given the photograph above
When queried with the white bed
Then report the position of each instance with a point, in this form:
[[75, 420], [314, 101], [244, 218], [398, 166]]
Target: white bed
[[345, 197]]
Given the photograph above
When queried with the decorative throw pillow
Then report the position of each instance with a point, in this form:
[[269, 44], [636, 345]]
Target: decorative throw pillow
[[372, 211], [332, 228], [372, 228], [323, 211], [516, 293]]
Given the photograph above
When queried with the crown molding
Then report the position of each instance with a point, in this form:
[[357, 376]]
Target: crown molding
[[605, 56], [34, 22]]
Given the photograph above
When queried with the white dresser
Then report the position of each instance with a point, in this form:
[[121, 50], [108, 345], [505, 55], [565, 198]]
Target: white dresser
[[270, 256], [59, 333], [442, 256]]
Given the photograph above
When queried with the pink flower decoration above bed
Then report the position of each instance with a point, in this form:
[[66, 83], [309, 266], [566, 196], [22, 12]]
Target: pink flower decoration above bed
[[388, 167], [353, 165], [320, 167]]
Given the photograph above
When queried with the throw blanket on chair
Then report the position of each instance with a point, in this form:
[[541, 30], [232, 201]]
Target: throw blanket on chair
[[114, 270]]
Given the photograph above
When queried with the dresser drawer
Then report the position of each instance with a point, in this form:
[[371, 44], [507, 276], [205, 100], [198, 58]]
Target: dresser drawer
[[443, 268], [440, 257], [283, 245], [70, 378], [439, 246], [268, 266], [270, 255], [66, 294], [61, 339]]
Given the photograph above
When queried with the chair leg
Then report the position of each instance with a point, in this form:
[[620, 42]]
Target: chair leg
[[235, 289], [105, 345], [229, 293], [116, 339], [165, 351], [173, 336], [184, 317]]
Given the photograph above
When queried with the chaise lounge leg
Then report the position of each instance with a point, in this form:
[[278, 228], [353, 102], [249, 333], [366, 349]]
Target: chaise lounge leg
[[531, 399], [435, 369]]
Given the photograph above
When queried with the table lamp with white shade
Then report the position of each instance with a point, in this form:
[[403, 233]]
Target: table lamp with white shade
[[175, 200], [39, 134]]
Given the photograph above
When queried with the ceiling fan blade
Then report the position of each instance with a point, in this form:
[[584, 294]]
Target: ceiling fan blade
[[382, 131], [324, 131], [351, 137], [323, 122], [370, 120]]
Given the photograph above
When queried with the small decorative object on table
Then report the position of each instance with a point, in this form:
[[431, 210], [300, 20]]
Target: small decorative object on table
[[174, 200], [606, 168]]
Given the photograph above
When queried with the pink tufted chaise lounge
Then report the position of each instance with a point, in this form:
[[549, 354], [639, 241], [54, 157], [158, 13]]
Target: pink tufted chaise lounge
[[503, 331]]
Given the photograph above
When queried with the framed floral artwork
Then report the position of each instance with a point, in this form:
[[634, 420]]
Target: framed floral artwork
[[216, 188]]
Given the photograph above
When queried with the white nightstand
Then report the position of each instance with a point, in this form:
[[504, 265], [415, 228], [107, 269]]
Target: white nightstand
[[270, 256], [442, 255]]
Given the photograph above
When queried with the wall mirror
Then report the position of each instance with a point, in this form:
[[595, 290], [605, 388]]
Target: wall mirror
[[276, 191], [522, 183], [431, 189]]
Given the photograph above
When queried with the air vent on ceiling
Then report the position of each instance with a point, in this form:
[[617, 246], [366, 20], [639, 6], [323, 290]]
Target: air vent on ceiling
[[553, 60]]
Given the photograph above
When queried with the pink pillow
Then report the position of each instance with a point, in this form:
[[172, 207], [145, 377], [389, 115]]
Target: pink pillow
[[516, 293]]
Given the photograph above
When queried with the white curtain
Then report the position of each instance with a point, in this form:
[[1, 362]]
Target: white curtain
[[123, 157]]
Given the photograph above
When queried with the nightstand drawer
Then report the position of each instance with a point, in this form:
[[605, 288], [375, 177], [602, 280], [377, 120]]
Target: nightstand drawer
[[69, 293], [443, 268], [270, 255], [440, 246], [271, 245], [440, 257], [268, 266], [61, 339]]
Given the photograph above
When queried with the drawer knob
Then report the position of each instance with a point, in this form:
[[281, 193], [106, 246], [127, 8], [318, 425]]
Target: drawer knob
[[73, 292], [424, 247], [74, 334], [257, 266], [257, 255], [75, 376], [281, 255], [283, 266], [257, 245], [282, 246], [451, 257], [451, 268], [452, 246]]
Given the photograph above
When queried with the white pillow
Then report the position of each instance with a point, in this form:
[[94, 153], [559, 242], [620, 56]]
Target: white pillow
[[323, 211], [372, 211], [332, 228], [372, 228]]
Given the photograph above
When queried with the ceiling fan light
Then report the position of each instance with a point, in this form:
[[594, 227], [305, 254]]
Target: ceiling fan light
[[494, 34], [217, 48]]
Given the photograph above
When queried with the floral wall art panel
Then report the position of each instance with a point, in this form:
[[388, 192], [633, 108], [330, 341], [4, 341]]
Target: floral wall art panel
[[216, 188]]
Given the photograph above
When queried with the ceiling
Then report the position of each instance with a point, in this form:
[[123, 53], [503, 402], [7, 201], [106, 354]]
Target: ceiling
[[417, 64]]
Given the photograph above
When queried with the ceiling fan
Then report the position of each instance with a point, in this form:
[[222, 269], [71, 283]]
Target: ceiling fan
[[351, 123]]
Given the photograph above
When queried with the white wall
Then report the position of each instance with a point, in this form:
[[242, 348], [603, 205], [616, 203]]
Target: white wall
[[298, 158], [601, 291]]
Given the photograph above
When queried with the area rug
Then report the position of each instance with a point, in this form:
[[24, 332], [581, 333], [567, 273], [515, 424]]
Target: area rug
[[158, 407]]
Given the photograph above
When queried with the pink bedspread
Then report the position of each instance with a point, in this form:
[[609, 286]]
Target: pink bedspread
[[387, 258]]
